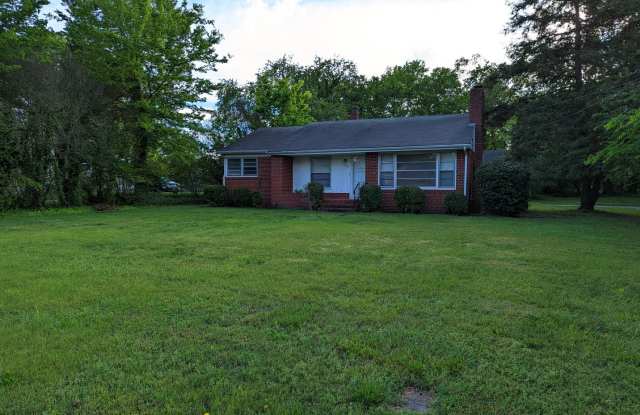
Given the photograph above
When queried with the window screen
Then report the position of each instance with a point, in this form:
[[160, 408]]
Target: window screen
[[321, 171], [416, 169], [250, 167], [387, 170], [234, 167], [447, 170]]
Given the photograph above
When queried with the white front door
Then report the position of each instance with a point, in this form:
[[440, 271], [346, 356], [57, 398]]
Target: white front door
[[358, 176]]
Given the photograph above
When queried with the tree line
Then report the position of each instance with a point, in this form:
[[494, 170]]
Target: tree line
[[107, 104], [111, 103]]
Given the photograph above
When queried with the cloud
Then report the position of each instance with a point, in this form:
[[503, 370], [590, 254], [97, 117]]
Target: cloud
[[375, 34]]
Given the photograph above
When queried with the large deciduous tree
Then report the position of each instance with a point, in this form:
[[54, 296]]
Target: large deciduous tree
[[572, 54], [412, 89], [149, 54]]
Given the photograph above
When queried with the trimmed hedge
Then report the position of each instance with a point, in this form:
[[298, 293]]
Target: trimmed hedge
[[504, 188], [240, 197], [315, 195], [410, 199], [370, 197], [215, 194], [219, 195], [161, 199], [456, 204]]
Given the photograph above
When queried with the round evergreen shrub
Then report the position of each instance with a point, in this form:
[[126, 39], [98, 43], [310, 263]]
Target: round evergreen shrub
[[456, 204], [504, 188], [315, 195], [370, 197], [410, 199], [215, 195]]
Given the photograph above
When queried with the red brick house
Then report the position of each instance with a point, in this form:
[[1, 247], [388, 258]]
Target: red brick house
[[438, 153]]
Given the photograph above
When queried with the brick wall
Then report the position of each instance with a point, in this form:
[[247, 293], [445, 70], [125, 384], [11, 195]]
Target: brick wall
[[282, 194], [434, 198], [371, 168], [275, 182], [250, 183]]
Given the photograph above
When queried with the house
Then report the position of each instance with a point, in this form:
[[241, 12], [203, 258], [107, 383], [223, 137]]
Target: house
[[438, 153]]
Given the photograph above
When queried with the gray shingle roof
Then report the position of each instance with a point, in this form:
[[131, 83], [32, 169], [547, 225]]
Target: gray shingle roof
[[434, 131]]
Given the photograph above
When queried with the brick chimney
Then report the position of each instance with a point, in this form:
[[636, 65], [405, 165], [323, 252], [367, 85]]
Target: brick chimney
[[476, 116], [355, 113]]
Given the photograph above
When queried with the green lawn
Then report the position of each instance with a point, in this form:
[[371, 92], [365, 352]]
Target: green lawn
[[626, 205], [187, 310]]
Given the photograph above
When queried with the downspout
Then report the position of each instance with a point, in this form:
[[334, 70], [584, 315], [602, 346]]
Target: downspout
[[466, 162]]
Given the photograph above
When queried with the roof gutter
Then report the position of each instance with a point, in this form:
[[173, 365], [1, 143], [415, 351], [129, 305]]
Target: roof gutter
[[352, 150]]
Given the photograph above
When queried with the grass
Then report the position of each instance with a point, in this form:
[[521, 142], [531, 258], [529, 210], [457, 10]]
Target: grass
[[624, 205], [237, 311]]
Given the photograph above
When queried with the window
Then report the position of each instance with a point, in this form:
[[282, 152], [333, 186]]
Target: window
[[417, 169], [426, 170], [250, 167], [321, 171], [387, 170], [242, 167], [447, 170], [234, 167]]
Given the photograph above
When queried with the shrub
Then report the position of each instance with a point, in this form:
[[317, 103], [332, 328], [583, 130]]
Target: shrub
[[240, 197], [161, 199], [315, 195], [456, 204], [256, 199], [370, 197], [410, 199], [504, 188], [215, 195]]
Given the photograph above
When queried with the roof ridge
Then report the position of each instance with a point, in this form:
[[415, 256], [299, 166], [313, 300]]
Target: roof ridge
[[390, 118]]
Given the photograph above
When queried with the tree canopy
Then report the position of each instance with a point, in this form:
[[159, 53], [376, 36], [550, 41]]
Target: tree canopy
[[570, 56]]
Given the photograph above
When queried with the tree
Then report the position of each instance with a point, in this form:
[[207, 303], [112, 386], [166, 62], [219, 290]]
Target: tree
[[149, 54], [501, 94], [336, 86], [412, 89], [282, 102], [25, 140], [570, 52], [621, 154], [234, 116]]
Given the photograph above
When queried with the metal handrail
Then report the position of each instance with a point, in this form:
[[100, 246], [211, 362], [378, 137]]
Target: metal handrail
[[355, 189]]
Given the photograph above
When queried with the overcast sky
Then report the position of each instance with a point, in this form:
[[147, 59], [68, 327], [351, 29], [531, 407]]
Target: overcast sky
[[375, 34]]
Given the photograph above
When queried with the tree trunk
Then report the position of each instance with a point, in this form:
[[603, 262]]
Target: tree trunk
[[589, 193], [140, 162]]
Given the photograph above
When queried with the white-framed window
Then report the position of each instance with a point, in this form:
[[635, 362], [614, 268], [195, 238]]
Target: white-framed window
[[242, 167], [321, 171], [447, 170], [425, 170], [387, 170]]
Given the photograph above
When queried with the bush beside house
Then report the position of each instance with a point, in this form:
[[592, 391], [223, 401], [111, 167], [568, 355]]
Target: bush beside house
[[219, 195], [315, 195], [503, 188], [216, 194], [370, 198], [456, 204], [410, 199]]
